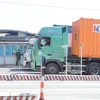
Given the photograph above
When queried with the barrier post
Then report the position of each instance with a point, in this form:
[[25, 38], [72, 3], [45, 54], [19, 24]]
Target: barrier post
[[81, 56], [42, 78], [66, 58]]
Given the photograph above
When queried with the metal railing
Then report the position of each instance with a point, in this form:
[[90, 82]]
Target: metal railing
[[81, 65]]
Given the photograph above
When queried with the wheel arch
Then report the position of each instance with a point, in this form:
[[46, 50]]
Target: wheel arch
[[58, 62], [89, 64]]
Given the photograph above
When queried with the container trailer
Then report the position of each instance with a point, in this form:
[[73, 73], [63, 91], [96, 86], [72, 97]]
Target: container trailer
[[87, 32], [85, 51]]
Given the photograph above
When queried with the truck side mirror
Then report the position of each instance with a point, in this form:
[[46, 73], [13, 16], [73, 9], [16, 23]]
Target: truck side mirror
[[31, 41]]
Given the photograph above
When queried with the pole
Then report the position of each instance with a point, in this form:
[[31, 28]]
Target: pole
[[66, 59], [41, 88], [41, 83], [81, 57]]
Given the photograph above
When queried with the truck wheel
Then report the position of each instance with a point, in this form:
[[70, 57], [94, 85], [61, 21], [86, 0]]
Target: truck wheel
[[52, 68], [93, 69]]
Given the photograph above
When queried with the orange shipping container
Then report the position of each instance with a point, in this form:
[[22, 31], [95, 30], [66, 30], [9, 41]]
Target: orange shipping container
[[87, 32]]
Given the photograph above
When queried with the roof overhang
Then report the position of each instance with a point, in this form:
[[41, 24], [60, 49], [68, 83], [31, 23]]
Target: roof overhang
[[14, 42]]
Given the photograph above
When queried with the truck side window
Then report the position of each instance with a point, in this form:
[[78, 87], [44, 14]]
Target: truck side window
[[45, 42]]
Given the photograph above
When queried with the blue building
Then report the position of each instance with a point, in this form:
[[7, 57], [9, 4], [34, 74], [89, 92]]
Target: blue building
[[10, 42]]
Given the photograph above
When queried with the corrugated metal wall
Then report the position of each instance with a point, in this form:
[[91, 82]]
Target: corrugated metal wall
[[86, 31]]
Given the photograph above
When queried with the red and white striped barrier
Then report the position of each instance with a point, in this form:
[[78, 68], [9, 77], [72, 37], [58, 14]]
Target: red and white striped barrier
[[19, 97], [35, 77]]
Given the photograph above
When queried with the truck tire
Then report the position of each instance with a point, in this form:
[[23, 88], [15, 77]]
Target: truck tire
[[52, 68], [93, 69]]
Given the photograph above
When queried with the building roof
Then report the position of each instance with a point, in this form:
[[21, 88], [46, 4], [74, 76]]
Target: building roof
[[14, 32], [14, 38], [11, 36]]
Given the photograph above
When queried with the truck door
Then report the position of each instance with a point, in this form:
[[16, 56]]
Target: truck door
[[56, 46], [45, 47]]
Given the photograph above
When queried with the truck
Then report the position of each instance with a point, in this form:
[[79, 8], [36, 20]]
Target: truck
[[53, 43], [49, 41]]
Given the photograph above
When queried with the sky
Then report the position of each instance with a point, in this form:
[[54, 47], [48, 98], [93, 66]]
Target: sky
[[32, 15]]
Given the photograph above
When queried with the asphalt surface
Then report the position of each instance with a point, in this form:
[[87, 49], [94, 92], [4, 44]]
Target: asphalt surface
[[19, 70], [53, 90]]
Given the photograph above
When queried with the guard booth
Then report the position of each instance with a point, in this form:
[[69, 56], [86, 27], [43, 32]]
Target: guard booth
[[10, 42], [8, 51]]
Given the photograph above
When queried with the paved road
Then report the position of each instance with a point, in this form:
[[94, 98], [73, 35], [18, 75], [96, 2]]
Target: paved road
[[15, 70], [62, 90], [19, 71]]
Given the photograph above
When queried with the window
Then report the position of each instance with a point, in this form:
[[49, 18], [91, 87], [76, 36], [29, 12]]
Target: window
[[14, 49], [20, 48], [45, 42], [11, 50], [8, 51], [1, 50]]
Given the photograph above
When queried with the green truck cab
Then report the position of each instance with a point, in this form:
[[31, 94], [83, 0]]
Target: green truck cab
[[49, 41]]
